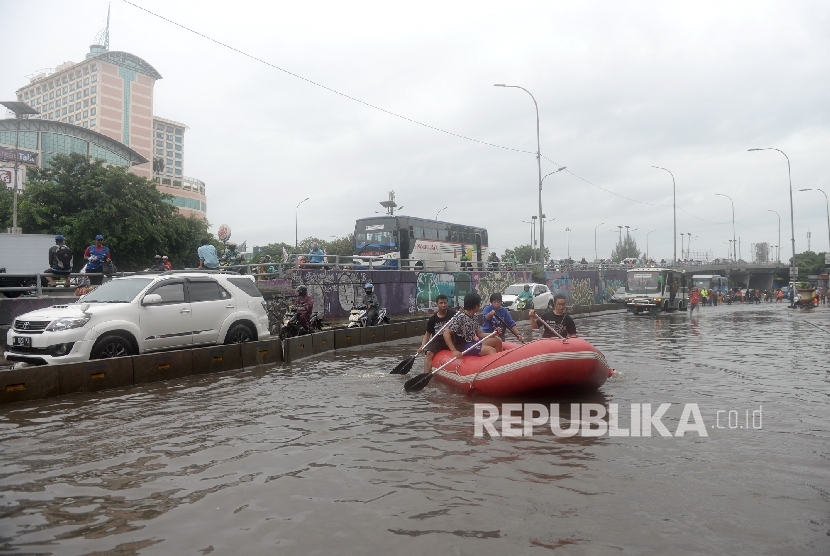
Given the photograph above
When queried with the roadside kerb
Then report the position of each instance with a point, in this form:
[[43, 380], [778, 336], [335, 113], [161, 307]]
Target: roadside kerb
[[155, 367], [267, 352], [297, 348], [346, 338], [216, 359], [31, 383], [322, 341], [371, 335], [94, 376], [415, 328], [394, 331]]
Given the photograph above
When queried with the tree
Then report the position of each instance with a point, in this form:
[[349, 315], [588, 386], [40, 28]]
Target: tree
[[80, 198], [625, 249], [808, 263], [6, 208], [524, 254], [343, 246]]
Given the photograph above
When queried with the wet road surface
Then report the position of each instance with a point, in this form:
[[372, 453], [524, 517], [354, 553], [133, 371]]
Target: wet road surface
[[329, 456]]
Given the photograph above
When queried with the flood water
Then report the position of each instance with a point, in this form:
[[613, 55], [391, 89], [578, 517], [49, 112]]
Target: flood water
[[330, 456]]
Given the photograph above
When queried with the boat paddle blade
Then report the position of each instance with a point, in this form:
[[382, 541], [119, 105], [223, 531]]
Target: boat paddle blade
[[417, 383], [404, 366]]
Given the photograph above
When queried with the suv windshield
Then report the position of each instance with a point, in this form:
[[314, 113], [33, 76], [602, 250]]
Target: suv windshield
[[122, 290], [514, 290]]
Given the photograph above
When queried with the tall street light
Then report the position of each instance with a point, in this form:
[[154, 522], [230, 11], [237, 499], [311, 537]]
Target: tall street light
[[532, 226], [733, 217], [681, 243], [296, 228], [778, 247], [792, 222], [20, 110], [674, 208], [539, 166], [596, 255], [652, 231], [440, 211], [569, 242], [533, 236], [828, 209]]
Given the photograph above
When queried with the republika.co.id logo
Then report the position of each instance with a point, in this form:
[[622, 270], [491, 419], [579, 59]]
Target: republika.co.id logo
[[589, 419]]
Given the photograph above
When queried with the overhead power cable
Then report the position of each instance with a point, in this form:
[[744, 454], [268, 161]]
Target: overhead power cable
[[395, 114]]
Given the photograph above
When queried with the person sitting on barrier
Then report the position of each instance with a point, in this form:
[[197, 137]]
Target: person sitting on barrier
[[494, 313], [434, 343], [304, 305], [208, 258], [60, 260], [316, 254], [461, 334], [371, 303], [556, 319]]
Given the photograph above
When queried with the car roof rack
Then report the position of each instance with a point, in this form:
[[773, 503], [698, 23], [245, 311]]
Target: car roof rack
[[198, 271]]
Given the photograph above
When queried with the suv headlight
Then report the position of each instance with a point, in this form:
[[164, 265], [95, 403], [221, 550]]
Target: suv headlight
[[66, 324]]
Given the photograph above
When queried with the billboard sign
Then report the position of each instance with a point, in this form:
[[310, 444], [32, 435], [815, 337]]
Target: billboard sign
[[26, 157]]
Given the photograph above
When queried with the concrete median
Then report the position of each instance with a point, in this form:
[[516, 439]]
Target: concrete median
[[371, 335], [31, 383], [155, 367], [346, 338], [94, 376], [415, 328], [394, 331], [297, 348], [268, 352], [216, 359], [322, 341]]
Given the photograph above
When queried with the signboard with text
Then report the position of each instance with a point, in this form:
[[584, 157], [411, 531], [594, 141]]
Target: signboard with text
[[24, 157]]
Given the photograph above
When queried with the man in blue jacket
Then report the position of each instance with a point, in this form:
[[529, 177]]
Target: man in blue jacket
[[496, 316]]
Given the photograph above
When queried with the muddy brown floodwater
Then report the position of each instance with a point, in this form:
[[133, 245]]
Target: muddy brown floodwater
[[329, 456]]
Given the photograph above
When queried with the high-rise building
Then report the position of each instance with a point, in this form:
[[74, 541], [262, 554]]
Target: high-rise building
[[111, 92]]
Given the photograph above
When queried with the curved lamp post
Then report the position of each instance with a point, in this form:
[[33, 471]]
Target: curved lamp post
[[652, 231], [296, 226], [828, 208], [440, 211], [569, 243], [792, 222], [539, 165], [674, 208]]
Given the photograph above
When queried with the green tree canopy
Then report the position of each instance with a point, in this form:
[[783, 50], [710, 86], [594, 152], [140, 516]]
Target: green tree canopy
[[625, 249], [343, 246], [80, 198], [809, 263], [524, 254]]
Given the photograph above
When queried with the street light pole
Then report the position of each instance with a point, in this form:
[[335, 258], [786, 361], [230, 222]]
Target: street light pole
[[533, 235], [674, 208], [531, 232], [440, 211], [569, 243], [778, 247], [828, 209], [596, 255], [792, 222], [539, 166], [733, 217], [647, 257], [296, 226]]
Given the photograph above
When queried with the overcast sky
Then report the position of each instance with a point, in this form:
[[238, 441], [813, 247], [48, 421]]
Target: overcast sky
[[621, 86]]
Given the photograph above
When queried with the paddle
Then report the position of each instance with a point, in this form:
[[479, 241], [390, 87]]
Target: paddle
[[419, 382], [546, 325], [406, 365], [504, 325]]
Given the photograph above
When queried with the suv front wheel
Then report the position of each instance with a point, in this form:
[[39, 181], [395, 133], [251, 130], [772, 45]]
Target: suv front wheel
[[112, 345], [239, 334]]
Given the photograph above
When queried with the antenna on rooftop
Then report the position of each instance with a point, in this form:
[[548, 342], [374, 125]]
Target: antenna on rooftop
[[103, 36]]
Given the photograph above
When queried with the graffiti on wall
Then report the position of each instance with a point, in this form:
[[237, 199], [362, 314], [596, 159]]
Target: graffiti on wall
[[586, 287]]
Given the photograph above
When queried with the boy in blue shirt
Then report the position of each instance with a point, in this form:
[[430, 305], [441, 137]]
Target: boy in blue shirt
[[494, 313]]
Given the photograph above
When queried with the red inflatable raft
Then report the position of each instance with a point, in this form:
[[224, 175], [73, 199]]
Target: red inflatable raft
[[538, 366]]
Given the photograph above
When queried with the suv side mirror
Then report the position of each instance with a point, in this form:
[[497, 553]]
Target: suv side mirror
[[151, 299]]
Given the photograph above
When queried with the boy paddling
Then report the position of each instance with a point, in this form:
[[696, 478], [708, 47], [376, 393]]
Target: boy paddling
[[461, 333], [434, 343]]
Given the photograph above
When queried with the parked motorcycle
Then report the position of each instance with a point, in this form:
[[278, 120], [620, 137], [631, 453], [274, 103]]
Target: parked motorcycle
[[292, 326], [359, 316]]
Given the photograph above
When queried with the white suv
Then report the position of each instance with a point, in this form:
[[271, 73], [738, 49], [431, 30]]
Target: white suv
[[140, 314]]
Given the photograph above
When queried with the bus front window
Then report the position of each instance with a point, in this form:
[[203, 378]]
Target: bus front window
[[643, 283]]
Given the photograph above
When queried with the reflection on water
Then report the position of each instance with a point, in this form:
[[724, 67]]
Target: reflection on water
[[329, 455]]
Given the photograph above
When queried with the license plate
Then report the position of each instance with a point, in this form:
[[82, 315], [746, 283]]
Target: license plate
[[22, 341]]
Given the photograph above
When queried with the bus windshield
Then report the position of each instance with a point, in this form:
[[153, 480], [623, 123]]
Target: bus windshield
[[379, 238], [643, 282]]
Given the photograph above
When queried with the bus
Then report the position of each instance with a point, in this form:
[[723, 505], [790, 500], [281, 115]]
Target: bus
[[418, 244], [713, 282], [650, 290]]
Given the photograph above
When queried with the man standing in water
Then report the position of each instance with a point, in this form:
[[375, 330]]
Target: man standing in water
[[694, 300], [434, 343], [556, 319]]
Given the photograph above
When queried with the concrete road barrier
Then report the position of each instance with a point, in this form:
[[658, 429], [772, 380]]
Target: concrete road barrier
[[322, 341], [216, 359], [267, 352], [371, 335], [155, 367], [346, 338], [297, 348], [394, 331], [415, 328], [31, 383], [94, 376]]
